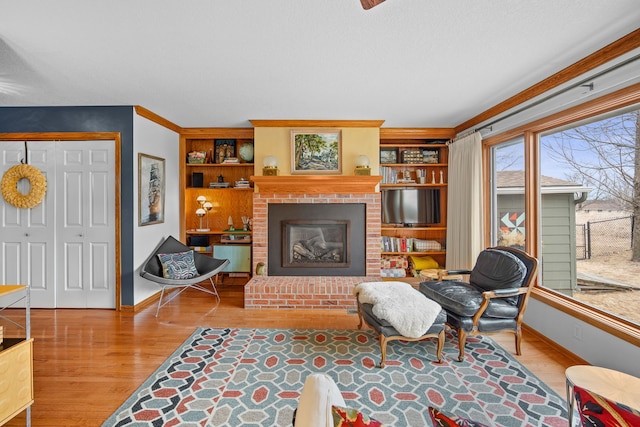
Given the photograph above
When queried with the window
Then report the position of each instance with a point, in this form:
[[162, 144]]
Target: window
[[580, 173], [589, 196], [507, 193]]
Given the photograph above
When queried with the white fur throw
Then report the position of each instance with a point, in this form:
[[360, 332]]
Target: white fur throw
[[405, 308]]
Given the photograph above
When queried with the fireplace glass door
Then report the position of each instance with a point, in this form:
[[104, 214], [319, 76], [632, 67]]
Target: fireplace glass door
[[315, 243]]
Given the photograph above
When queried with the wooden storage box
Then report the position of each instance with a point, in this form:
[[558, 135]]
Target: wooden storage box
[[16, 371]]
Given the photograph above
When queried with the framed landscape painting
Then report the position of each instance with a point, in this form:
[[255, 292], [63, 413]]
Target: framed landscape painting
[[316, 152], [150, 189]]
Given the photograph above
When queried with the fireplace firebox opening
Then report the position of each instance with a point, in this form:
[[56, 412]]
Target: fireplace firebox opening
[[315, 243], [317, 239]]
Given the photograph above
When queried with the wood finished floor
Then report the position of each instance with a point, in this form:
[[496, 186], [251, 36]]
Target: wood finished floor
[[87, 362]]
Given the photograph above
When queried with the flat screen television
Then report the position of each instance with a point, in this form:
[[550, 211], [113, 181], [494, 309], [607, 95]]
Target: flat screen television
[[411, 206]]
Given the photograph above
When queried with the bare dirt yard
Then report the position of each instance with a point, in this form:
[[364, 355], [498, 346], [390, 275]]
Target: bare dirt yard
[[619, 268], [612, 262]]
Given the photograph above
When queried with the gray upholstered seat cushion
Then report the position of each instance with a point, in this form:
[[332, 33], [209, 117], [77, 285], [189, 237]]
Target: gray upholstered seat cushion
[[465, 299], [383, 327]]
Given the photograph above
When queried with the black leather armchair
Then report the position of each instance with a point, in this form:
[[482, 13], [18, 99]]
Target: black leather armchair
[[495, 298]]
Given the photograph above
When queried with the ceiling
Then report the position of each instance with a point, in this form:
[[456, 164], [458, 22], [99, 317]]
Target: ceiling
[[215, 63]]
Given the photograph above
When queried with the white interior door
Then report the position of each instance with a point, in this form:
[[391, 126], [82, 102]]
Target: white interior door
[[85, 241], [63, 248], [27, 250]]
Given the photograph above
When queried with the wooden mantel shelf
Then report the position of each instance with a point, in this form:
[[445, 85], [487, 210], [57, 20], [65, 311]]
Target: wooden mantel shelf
[[316, 184]]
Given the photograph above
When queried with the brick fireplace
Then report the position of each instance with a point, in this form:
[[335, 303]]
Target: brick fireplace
[[311, 292]]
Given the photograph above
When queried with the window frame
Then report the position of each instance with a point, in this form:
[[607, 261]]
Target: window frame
[[530, 132]]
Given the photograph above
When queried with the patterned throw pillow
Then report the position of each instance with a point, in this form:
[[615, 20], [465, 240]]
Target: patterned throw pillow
[[441, 420], [349, 417], [595, 410], [179, 265]]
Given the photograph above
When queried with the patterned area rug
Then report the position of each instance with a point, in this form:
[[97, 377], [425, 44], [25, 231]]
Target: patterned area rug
[[253, 377]]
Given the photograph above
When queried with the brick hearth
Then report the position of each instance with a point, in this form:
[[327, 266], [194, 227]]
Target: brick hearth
[[317, 292]]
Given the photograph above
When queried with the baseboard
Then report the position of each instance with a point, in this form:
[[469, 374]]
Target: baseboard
[[554, 344], [153, 299]]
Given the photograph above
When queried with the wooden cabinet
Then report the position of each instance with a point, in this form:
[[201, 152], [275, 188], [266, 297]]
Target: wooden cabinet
[[415, 159], [239, 256], [224, 244], [202, 179], [16, 358]]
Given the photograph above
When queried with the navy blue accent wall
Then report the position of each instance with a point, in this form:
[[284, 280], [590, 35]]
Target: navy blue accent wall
[[90, 119]]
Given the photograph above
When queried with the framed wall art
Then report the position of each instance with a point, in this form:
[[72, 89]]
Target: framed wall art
[[316, 152], [151, 184], [388, 155], [223, 149]]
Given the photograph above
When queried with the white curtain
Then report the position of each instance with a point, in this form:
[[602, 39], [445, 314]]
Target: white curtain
[[465, 219]]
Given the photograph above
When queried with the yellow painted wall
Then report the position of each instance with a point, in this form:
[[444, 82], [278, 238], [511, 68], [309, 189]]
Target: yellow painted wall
[[276, 141]]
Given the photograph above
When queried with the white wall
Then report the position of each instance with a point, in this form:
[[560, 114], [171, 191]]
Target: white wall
[[151, 138], [592, 344]]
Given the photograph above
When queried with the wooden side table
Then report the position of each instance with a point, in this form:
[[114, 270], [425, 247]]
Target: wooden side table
[[613, 385], [16, 358]]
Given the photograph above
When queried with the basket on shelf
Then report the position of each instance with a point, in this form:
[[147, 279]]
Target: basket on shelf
[[196, 157], [420, 245]]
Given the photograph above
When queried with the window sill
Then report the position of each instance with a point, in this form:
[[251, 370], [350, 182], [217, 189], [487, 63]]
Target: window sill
[[619, 328]]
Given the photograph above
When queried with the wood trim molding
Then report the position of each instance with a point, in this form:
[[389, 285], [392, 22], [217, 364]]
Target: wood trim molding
[[316, 184], [417, 133], [150, 115], [318, 123], [531, 196], [231, 133], [619, 47]]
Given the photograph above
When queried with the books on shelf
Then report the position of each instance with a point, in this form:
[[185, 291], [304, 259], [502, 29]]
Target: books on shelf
[[389, 175], [219, 185], [202, 248], [396, 244], [242, 184], [231, 160]]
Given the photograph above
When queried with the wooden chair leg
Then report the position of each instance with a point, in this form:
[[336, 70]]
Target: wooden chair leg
[[360, 318], [462, 340], [440, 345], [383, 350], [518, 340]]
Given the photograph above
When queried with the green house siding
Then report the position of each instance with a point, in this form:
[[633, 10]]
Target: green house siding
[[558, 263], [559, 242]]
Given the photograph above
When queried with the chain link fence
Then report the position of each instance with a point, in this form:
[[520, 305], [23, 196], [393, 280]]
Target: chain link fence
[[603, 237]]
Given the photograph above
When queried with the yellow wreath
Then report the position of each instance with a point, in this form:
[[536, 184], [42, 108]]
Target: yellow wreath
[[10, 181]]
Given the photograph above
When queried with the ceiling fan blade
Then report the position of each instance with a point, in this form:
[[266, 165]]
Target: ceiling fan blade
[[368, 4]]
